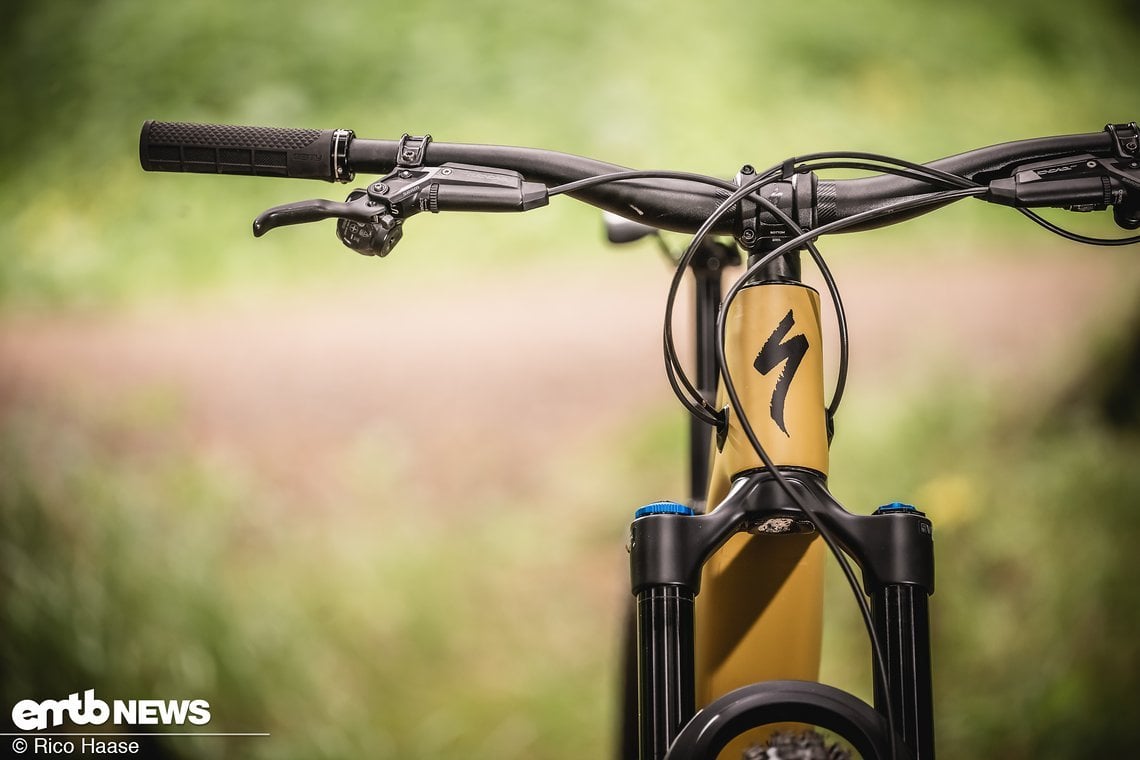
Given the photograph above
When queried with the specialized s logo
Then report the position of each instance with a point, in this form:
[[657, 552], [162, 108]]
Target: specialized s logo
[[772, 354]]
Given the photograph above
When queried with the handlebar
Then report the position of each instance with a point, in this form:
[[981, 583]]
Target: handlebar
[[673, 204], [682, 205]]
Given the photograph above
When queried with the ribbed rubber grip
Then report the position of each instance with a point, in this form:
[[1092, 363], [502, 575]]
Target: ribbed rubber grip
[[264, 151]]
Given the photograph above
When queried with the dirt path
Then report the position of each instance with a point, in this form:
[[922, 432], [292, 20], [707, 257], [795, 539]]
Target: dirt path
[[478, 377]]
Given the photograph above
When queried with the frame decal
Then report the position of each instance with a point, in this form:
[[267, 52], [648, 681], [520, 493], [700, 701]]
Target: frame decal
[[774, 352]]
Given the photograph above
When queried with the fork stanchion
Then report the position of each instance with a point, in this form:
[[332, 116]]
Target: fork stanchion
[[666, 681], [902, 616]]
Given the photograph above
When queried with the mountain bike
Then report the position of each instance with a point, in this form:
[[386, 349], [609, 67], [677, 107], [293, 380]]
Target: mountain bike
[[727, 586]]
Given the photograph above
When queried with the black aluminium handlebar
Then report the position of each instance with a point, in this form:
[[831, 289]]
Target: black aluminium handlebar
[[684, 205], [673, 204]]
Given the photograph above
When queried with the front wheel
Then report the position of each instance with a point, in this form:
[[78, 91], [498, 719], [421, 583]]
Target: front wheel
[[804, 702]]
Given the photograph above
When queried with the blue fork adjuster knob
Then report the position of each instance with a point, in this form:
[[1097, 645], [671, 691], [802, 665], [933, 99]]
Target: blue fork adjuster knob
[[663, 508], [896, 507]]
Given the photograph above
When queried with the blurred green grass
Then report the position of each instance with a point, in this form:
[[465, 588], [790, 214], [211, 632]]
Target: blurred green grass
[[173, 572]]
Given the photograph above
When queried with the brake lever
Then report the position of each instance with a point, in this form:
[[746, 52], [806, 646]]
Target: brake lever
[[370, 221], [1081, 182], [314, 210], [364, 224]]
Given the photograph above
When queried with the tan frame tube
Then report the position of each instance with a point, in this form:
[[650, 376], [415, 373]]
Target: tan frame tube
[[759, 615]]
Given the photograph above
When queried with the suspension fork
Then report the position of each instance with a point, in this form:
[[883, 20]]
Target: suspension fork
[[669, 545], [772, 580]]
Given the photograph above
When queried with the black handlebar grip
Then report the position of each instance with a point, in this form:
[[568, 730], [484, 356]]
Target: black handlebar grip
[[263, 151]]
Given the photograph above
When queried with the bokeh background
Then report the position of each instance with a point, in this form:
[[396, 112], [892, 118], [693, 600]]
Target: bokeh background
[[377, 508]]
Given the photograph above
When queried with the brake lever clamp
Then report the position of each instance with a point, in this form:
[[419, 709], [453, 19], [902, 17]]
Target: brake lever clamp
[[1126, 146], [1125, 139], [411, 151]]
